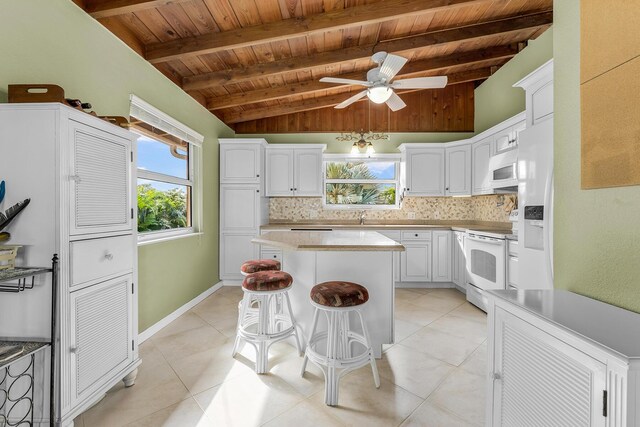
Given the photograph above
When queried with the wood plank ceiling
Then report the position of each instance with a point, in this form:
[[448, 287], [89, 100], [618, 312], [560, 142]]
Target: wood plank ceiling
[[256, 63]]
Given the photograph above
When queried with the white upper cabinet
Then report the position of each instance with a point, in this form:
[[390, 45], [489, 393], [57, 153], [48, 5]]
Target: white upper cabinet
[[308, 172], [516, 130], [481, 154], [458, 171], [424, 171], [100, 180], [240, 163], [239, 208], [280, 172], [507, 139], [294, 171]]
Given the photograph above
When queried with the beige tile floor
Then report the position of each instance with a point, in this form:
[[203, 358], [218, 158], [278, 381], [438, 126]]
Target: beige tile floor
[[432, 376]]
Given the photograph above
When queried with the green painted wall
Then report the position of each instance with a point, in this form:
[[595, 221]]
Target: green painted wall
[[596, 232], [53, 41], [496, 99]]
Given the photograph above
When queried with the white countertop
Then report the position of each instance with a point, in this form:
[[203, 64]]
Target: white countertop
[[612, 327], [336, 240]]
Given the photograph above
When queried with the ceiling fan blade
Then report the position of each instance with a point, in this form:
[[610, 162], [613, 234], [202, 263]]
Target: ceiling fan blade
[[351, 100], [395, 102], [391, 65], [421, 83], [344, 81]]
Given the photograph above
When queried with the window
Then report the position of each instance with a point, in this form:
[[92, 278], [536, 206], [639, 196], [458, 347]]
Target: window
[[168, 183], [361, 183]]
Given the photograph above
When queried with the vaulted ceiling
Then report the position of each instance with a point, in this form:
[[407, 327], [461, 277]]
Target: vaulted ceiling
[[256, 63]]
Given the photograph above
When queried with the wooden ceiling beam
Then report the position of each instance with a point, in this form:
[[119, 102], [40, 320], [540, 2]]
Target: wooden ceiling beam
[[330, 101], [299, 63], [298, 27], [106, 8], [483, 56]]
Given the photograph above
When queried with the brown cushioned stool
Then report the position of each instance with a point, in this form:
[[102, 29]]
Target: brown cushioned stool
[[265, 315], [255, 265], [345, 349]]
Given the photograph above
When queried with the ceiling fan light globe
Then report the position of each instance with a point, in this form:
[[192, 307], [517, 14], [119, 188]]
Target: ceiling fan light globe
[[380, 94]]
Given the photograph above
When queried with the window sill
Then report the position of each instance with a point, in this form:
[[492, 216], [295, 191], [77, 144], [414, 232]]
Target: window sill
[[144, 240]]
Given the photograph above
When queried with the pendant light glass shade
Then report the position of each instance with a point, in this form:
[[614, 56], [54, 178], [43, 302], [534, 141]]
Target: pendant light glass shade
[[379, 94]]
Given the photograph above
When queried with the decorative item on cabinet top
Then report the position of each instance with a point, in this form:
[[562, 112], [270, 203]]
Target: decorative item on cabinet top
[[9, 215]]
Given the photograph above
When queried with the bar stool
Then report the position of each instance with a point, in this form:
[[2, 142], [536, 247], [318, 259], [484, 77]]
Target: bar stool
[[265, 314], [337, 300]]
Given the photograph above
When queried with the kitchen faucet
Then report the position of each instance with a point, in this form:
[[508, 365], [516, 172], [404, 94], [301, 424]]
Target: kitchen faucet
[[362, 217]]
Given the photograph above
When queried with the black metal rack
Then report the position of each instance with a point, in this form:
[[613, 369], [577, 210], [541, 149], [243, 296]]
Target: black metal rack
[[20, 279]]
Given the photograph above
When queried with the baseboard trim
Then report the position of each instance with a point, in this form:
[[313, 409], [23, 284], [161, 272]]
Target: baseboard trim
[[425, 285], [153, 329]]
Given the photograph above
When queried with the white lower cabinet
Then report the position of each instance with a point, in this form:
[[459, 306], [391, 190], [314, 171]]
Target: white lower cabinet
[[415, 261], [235, 250], [441, 256], [556, 358], [458, 260], [540, 380], [102, 341]]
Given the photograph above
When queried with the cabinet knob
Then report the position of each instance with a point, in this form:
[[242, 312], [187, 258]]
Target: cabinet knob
[[76, 178], [73, 349], [408, 189], [496, 376], [447, 188], [275, 256], [295, 189], [258, 175], [291, 189], [108, 256], [257, 191], [416, 235]]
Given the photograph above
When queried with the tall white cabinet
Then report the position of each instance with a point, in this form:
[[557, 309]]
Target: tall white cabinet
[[79, 172], [243, 205]]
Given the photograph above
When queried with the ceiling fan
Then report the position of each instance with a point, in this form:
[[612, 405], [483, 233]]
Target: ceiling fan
[[380, 89]]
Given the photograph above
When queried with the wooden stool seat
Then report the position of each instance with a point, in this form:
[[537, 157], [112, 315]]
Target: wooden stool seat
[[267, 281], [339, 294]]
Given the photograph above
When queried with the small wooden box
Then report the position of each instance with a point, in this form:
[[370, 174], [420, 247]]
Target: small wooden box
[[8, 256]]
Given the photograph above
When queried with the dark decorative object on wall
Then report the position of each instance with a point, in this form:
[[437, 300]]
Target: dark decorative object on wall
[[2, 191], [12, 212]]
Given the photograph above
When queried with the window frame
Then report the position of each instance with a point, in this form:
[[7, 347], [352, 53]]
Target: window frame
[[332, 158], [194, 180]]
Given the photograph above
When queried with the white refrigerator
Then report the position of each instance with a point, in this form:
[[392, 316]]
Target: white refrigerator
[[535, 205]]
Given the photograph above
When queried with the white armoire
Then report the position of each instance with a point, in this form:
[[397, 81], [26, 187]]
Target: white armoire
[[79, 172]]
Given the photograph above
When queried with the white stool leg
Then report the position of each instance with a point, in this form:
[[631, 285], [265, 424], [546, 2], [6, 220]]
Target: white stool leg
[[316, 313], [246, 301], [333, 350], [374, 367], [262, 353], [293, 322]]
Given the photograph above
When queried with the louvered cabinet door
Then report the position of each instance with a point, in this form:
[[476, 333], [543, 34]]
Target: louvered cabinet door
[[100, 181], [101, 343], [540, 380]]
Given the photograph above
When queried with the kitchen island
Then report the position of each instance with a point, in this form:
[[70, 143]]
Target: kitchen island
[[364, 257]]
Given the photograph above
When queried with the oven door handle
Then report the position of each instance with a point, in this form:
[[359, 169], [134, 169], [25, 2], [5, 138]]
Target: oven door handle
[[489, 240]]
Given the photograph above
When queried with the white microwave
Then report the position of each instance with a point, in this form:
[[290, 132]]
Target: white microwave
[[503, 170]]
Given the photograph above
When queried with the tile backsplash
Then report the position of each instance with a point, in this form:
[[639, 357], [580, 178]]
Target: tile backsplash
[[476, 208]]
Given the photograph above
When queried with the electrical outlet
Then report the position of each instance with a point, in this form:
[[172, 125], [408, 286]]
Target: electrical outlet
[[411, 215], [313, 214]]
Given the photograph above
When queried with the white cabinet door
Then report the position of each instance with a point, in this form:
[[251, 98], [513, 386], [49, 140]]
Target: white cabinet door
[[101, 342], [416, 262], [235, 249], [441, 256], [100, 181], [307, 180], [482, 152], [240, 163], [458, 171], [516, 130], [239, 207], [425, 172], [540, 380], [280, 172]]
